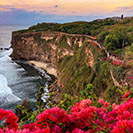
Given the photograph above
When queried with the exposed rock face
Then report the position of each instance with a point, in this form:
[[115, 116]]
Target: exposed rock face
[[25, 47], [44, 47], [41, 46], [91, 58]]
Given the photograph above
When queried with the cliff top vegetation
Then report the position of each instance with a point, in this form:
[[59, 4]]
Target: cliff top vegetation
[[114, 34]]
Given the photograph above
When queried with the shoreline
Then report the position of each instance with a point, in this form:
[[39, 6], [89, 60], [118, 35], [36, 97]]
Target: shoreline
[[46, 67], [44, 70], [52, 72]]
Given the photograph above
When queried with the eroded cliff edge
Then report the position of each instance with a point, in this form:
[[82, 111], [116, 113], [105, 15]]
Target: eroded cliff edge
[[45, 47], [76, 60]]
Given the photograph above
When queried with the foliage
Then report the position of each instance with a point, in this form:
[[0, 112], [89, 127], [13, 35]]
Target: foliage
[[115, 40], [118, 73], [84, 117], [73, 69], [80, 27], [68, 101], [128, 52], [103, 80], [39, 102], [62, 43], [102, 35], [130, 29]]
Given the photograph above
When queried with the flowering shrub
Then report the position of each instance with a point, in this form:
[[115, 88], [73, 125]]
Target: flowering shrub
[[117, 63], [83, 118]]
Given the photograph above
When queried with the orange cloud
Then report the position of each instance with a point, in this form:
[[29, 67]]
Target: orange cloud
[[68, 7]]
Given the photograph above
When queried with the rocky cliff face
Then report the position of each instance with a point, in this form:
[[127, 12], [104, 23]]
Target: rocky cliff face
[[25, 47], [43, 46]]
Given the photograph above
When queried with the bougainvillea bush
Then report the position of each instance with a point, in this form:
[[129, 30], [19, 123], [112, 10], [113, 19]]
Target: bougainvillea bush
[[83, 118]]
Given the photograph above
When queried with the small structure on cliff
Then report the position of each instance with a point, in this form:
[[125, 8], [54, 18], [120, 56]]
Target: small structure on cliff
[[122, 16]]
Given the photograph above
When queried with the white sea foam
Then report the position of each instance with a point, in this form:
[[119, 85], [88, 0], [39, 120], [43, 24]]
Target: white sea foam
[[15, 83], [6, 95], [45, 94], [43, 73]]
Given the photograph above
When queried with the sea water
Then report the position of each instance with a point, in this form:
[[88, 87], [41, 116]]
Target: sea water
[[17, 82]]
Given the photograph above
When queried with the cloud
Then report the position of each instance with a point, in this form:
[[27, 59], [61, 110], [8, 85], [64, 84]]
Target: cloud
[[124, 8], [33, 11], [6, 8], [56, 6], [81, 7], [17, 16]]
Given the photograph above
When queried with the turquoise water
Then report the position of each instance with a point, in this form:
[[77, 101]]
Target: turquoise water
[[17, 82]]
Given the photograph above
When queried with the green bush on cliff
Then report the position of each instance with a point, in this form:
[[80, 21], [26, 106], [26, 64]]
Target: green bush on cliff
[[128, 52], [79, 27], [76, 72], [68, 100], [115, 40]]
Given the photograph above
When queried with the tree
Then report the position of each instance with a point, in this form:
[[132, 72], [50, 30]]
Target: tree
[[116, 39]]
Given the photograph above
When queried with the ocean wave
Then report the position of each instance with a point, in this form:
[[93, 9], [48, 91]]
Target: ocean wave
[[5, 52], [6, 95]]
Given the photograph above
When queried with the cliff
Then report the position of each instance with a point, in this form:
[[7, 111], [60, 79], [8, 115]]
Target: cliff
[[77, 60], [43, 46]]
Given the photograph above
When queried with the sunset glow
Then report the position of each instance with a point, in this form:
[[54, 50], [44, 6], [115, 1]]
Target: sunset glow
[[84, 8]]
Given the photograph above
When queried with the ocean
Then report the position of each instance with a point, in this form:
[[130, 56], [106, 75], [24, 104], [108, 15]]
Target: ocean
[[18, 81]]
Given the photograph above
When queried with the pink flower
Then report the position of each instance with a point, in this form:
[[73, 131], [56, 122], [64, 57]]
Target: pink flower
[[31, 126], [127, 94], [114, 106], [76, 130], [56, 129], [85, 103], [123, 127], [101, 101], [106, 104]]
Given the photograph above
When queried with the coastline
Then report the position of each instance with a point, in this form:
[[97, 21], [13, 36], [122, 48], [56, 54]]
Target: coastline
[[53, 83], [47, 71], [46, 66]]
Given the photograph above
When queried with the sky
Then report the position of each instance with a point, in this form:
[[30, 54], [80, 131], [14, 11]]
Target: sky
[[61, 11]]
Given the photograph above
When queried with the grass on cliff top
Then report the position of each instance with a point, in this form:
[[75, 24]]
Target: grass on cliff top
[[79, 27]]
